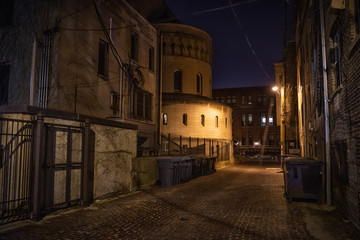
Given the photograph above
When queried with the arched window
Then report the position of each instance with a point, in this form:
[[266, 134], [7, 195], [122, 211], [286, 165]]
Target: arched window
[[165, 118], [185, 119], [199, 83], [203, 119], [216, 121], [178, 81]]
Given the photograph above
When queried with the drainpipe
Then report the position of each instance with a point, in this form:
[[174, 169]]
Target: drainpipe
[[326, 106], [32, 75]]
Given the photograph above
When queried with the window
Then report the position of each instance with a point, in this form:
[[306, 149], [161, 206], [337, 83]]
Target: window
[[142, 104], [271, 120], [165, 119], [263, 120], [233, 100], [225, 122], [337, 58], [216, 121], [243, 120], [178, 81], [228, 99], [271, 139], [199, 83], [249, 100], [272, 101], [134, 52], [6, 12], [4, 83], [151, 58], [250, 119], [265, 99], [185, 119], [222, 99], [243, 139], [115, 102], [259, 100], [103, 61], [203, 119], [251, 141], [243, 100]]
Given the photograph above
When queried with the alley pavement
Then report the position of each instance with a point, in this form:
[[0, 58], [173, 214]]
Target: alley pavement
[[244, 201]]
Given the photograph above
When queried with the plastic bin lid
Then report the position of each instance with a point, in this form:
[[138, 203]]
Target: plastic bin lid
[[301, 160]]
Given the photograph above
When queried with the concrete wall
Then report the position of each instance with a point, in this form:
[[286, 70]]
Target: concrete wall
[[115, 149]]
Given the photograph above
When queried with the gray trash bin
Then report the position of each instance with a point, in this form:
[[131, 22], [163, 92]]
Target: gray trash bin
[[303, 179], [173, 171]]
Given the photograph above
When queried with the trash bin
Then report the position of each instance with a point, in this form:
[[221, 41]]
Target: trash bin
[[173, 171], [303, 179]]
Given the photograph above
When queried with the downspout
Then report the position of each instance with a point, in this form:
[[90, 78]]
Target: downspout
[[32, 75], [326, 106], [159, 88]]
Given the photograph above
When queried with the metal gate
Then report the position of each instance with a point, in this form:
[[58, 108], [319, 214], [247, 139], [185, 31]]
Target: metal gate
[[64, 163], [15, 169]]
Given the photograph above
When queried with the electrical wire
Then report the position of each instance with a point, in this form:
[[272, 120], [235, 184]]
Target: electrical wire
[[248, 41]]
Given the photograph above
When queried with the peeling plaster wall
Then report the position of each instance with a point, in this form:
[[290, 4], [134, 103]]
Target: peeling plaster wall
[[115, 149]]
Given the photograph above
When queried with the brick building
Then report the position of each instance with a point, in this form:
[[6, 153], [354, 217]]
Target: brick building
[[286, 100], [328, 73], [255, 128]]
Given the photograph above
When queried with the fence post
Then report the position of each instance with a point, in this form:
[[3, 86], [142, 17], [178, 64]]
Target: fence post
[[86, 162], [169, 144], [38, 156], [180, 145]]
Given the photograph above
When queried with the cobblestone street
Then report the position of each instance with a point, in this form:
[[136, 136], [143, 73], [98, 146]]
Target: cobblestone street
[[239, 202]]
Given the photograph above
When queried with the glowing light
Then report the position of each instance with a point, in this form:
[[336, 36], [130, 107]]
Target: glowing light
[[275, 88]]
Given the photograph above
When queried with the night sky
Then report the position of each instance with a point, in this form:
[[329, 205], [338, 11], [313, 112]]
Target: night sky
[[234, 64]]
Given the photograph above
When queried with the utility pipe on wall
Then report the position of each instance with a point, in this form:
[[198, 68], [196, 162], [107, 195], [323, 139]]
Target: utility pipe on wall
[[326, 106]]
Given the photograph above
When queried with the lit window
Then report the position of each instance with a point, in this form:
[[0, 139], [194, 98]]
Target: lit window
[[263, 120], [243, 120], [250, 119], [185, 119], [216, 121], [165, 118], [233, 99], [103, 59], [228, 99], [249, 100], [271, 121], [178, 81], [203, 119], [151, 58], [199, 83], [134, 46], [222, 99]]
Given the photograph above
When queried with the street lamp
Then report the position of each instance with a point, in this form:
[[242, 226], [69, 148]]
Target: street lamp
[[275, 88]]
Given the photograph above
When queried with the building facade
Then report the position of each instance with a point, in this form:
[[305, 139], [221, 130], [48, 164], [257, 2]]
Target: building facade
[[254, 120], [286, 100], [328, 73], [92, 58], [188, 113]]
